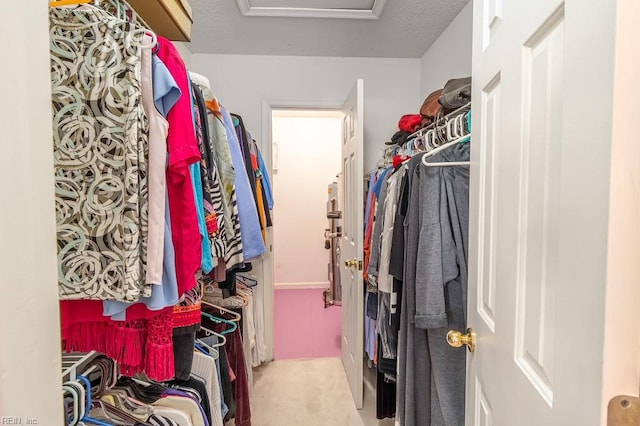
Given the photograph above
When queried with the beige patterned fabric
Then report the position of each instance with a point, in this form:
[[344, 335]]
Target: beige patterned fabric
[[100, 141]]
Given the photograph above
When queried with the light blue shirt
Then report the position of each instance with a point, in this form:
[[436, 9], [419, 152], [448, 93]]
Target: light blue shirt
[[266, 181], [165, 89], [252, 242]]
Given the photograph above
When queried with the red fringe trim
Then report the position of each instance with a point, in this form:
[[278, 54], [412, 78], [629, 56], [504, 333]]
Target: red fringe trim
[[84, 337], [127, 345], [159, 361]]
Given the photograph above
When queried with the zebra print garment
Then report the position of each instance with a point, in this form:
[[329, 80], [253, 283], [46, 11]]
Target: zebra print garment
[[218, 241], [227, 243], [207, 176], [232, 236], [234, 256], [100, 147]]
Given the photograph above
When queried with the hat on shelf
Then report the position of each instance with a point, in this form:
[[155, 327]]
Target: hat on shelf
[[456, 93], [431, 108], [398, 138], [410, 122]]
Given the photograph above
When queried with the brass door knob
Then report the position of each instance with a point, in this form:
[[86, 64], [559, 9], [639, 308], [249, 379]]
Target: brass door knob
[[457, 339], [353, 263]]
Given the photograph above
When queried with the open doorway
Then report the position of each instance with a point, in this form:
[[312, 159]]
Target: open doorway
[[306, 162]]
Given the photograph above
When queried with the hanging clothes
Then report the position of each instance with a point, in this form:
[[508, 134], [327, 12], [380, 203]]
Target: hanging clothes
[[228, 396], [380, 190], [431, 389], [263, 211], [141, 343], [253, 244], [240, 386], [262, 181], [416, 267], [186, 323], [227, 242], [195, 169], [266, 180], [183, 151], [204, 366], [165, 93], [212, 213], [100, 151], [157, 178], [369, 218], [234, 256], [243, 141], [162, 192]]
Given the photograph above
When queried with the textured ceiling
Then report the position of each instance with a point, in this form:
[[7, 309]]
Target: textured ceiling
[[405, 29]]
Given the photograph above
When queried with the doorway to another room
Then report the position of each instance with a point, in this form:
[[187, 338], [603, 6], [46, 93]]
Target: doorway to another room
[[306, 162]]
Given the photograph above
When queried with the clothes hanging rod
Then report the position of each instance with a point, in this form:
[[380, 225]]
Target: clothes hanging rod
[[446, 164], [445, 118], [442, 148]]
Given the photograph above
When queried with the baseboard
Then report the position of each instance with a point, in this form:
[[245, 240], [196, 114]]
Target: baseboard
[[300, 286]]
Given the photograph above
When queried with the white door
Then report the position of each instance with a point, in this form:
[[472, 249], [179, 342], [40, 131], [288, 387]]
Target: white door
[[352, 240], [543, 97]]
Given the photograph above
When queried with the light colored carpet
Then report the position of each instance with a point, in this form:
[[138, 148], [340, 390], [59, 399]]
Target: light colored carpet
[[306, 392]]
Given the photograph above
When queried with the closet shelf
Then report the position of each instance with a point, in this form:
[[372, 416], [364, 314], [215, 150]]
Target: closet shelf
[[172, 19]]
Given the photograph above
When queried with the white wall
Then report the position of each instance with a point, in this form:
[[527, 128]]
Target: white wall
[[30, 382], [307, 159], [450, 55], [242, 82]]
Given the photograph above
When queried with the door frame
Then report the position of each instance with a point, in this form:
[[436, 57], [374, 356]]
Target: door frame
[[265, 272], [621, 367]]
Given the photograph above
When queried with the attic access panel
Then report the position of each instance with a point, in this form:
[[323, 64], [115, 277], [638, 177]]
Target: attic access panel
[[336, 9]]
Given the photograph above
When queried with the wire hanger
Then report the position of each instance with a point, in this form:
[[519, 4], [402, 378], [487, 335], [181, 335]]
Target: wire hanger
[[454, 129], [236, 316], [223, 339], [213, 351], [442, 148], [218, 320]]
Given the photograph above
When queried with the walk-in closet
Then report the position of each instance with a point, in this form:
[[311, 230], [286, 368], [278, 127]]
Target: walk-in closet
[[319, 213]]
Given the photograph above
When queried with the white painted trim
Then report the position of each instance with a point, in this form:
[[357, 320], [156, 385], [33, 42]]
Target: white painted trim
[[378, 7], [244, 6], [300, 286], [268, 105], [301, 12]]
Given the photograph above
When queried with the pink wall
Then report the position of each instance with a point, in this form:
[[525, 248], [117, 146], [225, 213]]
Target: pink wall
[[303, 327]]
